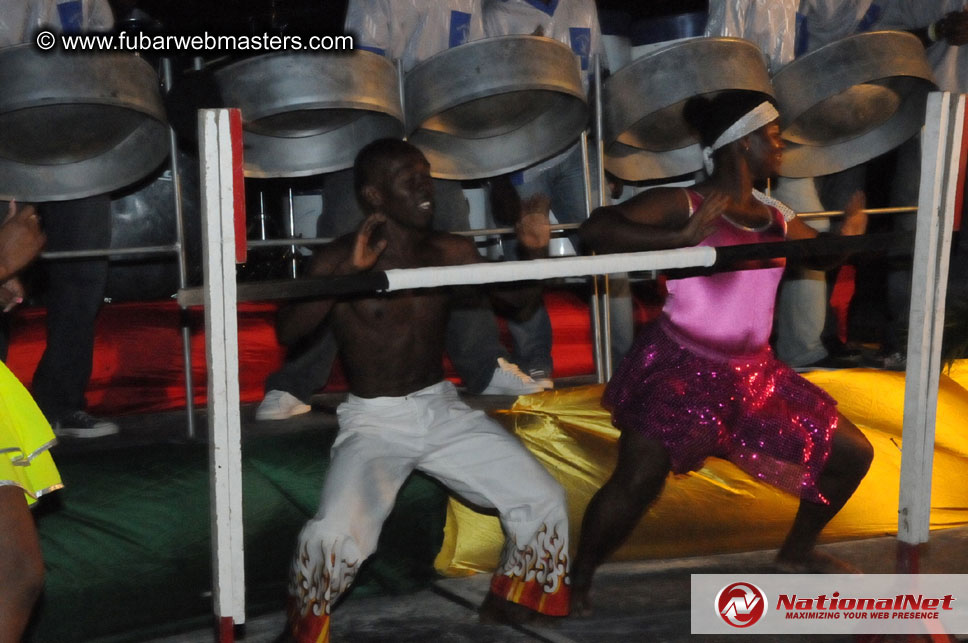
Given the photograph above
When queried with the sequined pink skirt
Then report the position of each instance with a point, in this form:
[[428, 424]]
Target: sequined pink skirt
[[752, 410]]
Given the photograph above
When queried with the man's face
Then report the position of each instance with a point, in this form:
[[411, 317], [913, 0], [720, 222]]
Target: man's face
[[407, 191]]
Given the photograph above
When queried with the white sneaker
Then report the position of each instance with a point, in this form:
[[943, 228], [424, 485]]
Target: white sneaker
[[509, 380], [279, 405], [542, 378], [81, 424]]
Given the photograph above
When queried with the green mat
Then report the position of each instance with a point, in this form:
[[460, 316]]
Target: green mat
[[127, 542]]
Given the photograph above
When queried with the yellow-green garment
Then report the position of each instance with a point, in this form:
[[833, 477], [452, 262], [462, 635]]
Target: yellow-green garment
[[720, 509], [25, 441]]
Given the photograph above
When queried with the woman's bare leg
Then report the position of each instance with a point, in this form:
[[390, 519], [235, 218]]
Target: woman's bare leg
[[850, 458], [21, 564], [616, 508]]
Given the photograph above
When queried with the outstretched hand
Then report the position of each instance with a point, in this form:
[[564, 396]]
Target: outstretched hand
[[533, 227], [365, 252], [855, 218], [703, 222], [20, 238]]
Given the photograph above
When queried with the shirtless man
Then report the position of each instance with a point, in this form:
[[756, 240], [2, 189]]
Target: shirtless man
[[402, 415]]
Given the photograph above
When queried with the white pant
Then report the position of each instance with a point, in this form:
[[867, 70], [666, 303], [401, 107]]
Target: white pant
[[380, 442]]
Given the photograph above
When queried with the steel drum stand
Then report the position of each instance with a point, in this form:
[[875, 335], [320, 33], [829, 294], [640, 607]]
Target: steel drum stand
[[166, 79]]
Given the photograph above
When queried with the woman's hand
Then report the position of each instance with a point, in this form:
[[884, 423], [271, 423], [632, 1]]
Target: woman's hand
[[703, 221]]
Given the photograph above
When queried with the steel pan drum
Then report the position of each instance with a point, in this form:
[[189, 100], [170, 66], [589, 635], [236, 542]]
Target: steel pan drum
[[644, 132], [144, 215], [495, 105], [851, 101], [77, 125], [308, 114]]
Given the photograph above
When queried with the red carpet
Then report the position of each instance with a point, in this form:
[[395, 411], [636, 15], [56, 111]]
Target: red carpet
[[138, 366]]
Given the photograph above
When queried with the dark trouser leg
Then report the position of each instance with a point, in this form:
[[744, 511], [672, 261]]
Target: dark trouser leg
[[75, 292], [473, 339], [850, 458], [905, 191], [307, 367], [473, 344], [616, 508], [308, 364]]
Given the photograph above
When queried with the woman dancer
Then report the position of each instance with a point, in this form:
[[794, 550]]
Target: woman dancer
[[701, 380]]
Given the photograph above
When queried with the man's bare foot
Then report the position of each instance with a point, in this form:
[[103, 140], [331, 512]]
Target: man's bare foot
[[581, 605], [498, 610], [814, 562]]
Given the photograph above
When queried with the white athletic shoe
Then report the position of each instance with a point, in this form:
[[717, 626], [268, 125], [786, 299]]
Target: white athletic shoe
[[81, 424], [542, 378], [279, 405], [509, 380]]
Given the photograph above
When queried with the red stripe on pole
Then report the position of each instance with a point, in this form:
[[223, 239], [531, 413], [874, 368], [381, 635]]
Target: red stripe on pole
[[238, 184], [960, 197], [226, 624]]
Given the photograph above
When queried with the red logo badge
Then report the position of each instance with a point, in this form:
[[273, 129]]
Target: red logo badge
[[741, 604]]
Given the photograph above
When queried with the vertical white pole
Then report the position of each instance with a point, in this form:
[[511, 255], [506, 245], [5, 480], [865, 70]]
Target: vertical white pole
[[221, 348], [940, 158]]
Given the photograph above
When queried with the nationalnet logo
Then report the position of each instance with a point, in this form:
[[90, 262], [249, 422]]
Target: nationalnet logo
[[741, 604], [829, 603], [863, 607]]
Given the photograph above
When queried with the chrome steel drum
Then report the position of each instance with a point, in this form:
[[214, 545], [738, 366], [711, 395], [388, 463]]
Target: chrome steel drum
[[851, 101], [311, 113], [644, 132], [495, 105], [75, 125], [144, 215]]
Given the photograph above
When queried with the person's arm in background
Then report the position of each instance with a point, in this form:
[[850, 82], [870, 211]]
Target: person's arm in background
[[20, 241]]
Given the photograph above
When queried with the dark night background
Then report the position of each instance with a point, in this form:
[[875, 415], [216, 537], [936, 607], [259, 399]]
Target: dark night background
[[318, 16]]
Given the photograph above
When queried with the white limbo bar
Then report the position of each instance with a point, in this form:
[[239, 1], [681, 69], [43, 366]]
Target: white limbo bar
[[491, 273], [222, 353], [940, 158]]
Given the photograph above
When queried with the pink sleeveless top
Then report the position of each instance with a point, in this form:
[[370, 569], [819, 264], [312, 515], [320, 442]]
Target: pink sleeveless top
[[728, 312]]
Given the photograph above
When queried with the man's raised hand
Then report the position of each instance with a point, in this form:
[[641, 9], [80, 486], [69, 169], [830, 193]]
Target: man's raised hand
[[365, 250]]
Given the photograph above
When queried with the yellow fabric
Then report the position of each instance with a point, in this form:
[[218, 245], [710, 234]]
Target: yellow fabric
[[719, 508], [25, 440]]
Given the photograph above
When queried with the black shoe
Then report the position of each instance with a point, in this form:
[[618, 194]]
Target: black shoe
[[81, 424], [833, 362]]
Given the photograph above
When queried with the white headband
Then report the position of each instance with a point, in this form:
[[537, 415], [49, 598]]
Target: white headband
[[750, 122]]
